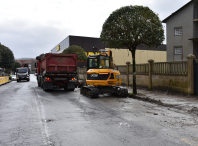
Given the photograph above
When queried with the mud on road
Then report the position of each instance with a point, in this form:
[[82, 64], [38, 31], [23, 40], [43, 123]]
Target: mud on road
[[185, 107]]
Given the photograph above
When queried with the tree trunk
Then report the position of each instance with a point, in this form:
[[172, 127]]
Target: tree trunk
[[134, 71]]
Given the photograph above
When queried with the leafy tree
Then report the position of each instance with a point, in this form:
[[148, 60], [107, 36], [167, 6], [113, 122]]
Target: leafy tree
[[7, 57], [76, 50], [40, 56], [131, 26], [0, 57], [7, 71], [16, 65]]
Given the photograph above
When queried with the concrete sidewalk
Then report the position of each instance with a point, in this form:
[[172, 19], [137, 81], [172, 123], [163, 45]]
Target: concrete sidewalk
[[171, 100]]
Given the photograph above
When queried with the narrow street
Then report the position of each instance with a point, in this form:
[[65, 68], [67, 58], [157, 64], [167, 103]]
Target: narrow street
[[31, 117]]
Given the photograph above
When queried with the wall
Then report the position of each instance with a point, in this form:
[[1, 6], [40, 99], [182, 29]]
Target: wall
[[63, 44], [4, 80], [86, 43], [176, 75], [178, 83], [121, 56], [195, 29], [30, 64], [183, 18], [141, 80], [33, 69]]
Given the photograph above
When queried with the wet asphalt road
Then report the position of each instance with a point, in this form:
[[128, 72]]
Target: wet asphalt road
[[30, 116]]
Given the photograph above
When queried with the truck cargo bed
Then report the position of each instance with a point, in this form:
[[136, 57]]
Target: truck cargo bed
[[59, 63], [57, 70]]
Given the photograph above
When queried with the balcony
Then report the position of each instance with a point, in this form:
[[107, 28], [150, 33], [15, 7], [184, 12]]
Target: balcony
[[195, 36]]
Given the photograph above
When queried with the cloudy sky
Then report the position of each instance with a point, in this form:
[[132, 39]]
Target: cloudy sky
[[32, 27]]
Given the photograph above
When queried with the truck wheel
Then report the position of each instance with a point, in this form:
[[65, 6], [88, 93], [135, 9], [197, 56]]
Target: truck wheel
[[44, 89], [17, 80], [39, 84], [72, 89]]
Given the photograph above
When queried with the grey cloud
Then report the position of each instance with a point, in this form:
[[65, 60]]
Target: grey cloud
[[26, 40], [166, 7]]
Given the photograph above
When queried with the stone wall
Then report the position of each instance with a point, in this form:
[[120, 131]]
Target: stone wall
[[178, 83]]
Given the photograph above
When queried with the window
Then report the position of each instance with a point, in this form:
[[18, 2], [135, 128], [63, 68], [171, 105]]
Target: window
[[195, 13], [22, 70], [178, 50], [104, 62], [178, 31], [93, 63]]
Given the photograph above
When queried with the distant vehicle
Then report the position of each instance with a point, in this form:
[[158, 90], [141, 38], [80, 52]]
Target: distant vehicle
[[22, 74], [13, 77]]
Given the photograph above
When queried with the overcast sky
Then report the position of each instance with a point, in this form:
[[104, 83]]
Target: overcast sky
[[32, 27]]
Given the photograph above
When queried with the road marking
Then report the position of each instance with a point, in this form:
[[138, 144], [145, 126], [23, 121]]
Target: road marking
[[40, 109], [186, 141]]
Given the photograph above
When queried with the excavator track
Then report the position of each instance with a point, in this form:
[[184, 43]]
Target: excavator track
[[120, 91], [89, 91], [93, 92]]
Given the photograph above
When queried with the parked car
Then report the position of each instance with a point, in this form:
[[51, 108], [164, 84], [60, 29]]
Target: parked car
[[13, 77]]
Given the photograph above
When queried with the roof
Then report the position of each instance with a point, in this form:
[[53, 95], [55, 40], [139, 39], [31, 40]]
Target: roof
[[164, 21]]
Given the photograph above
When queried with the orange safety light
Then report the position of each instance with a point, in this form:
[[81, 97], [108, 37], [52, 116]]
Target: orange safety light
[[72, 79], [48, 79], [104, 73]]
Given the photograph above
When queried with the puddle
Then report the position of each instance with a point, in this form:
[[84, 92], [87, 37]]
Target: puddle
[[49, 120]]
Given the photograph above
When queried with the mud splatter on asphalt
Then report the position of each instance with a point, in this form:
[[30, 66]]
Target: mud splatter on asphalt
[[159, 102]]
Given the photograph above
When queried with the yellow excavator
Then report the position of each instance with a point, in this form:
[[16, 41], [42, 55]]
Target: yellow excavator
[[102, 76]]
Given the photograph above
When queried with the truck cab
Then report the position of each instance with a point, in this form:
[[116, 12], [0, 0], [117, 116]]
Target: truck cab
[[22, 74]]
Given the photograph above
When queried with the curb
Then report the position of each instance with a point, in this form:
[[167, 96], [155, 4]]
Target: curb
[[191, 110]]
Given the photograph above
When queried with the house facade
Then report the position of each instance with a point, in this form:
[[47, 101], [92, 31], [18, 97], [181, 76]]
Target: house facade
[[182, 32], [30, 62]]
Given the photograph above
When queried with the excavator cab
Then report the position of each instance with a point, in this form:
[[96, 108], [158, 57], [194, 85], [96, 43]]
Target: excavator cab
[[100, 61]]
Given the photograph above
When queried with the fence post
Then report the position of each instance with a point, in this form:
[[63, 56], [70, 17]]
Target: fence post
[[150, 61], [190, 58], [127, 63]]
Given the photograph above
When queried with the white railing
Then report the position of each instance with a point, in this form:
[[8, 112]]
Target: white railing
[[173, 68]]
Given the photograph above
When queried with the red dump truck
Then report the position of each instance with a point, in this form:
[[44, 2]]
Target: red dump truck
[[57, 70]]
